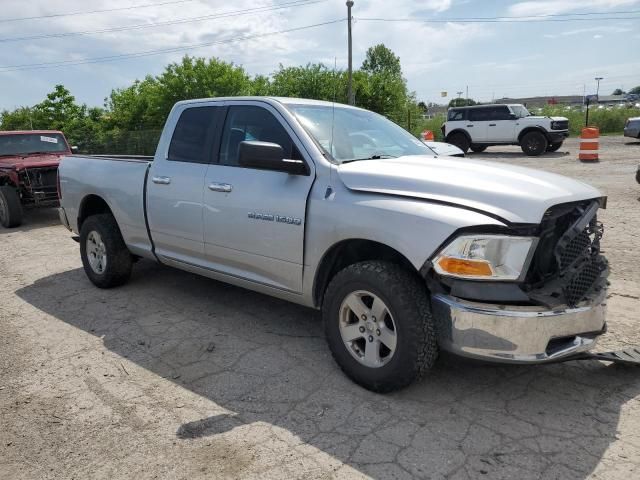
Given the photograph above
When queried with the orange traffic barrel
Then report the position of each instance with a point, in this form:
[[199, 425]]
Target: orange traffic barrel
[[589, 144], [428, 135]]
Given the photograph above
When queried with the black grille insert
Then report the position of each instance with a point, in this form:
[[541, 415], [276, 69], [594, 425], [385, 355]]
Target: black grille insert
[[567, 265]]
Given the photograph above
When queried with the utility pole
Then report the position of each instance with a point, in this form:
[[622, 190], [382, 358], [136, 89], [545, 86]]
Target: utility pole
[[467, 97], [597, 79], [350, 98], [458, 102]]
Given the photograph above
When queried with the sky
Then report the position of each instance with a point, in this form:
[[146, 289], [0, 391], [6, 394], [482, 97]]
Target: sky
[[492, 59]]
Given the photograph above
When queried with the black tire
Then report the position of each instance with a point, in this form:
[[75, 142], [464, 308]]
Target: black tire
[[406, 297], [554, 147], [460, 140], [10, 207], [478, 148], [118, 258], [534, 143]]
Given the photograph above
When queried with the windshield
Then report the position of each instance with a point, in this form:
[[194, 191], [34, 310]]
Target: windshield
[[28, 143], [520, 111], [357, 134]]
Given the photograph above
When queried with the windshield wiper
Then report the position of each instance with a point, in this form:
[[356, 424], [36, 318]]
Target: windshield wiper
[[35, 153], [372, 157]]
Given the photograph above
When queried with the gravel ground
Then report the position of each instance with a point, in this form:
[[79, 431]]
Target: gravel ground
[[177, 376]]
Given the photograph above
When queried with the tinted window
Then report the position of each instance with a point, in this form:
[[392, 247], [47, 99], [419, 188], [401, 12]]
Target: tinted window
[[455, 115], [498, 113], [191, 141], [479, 114], [252, 123]]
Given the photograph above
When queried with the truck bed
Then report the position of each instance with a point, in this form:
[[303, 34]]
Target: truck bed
[[118, 179]]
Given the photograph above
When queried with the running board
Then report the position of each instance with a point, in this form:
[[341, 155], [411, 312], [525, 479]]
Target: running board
[[630, 356]]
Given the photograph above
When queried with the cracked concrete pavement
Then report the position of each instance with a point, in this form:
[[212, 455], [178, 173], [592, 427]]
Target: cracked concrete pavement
[[178, 376]]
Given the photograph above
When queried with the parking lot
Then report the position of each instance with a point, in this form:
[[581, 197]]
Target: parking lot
[[178, 376]]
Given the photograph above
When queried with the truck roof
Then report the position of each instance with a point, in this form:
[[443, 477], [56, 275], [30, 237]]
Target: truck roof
[[282, 100], [488, 105], [24, 132]]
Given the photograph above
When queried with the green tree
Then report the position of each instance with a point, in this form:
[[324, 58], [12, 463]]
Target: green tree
[[462, 102], [380, 59], [635, 90], [57, 110], [618, 91]]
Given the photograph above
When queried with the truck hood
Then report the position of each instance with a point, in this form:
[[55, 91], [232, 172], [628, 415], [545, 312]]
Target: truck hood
[[537, 118], [19, 162], [516, 194]]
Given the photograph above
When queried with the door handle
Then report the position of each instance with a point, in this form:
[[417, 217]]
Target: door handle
[[492, 124], [220, 187], [161, 180], [469, 125]]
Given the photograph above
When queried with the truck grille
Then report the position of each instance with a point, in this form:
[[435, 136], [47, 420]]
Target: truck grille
[[567, 265], [560, 125], [40, 186]]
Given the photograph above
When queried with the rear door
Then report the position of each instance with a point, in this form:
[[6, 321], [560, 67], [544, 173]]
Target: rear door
[[254, 219], [175, 185], [500, 126]]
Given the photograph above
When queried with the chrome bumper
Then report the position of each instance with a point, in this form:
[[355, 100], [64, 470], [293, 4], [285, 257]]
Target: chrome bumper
[[512, 334]]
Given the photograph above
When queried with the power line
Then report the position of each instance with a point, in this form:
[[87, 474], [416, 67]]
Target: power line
[[522, 19], [110, 58], [70, 14], [235, 13]]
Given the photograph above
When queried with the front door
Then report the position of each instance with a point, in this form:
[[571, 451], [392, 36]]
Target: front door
[[254, 219], [501, 127]]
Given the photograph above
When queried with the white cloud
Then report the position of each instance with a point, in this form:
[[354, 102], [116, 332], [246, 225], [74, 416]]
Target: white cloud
[[597, 36], [599, 29], [554, 7]]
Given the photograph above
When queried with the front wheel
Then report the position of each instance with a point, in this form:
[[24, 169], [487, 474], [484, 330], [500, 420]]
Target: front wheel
[[534, 143], [553, 147], [460, 140], [105, 257], [10, 207], [378, 325], [478, 148]]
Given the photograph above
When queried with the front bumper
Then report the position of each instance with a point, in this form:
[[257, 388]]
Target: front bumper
[[512, 334], [557, 137]]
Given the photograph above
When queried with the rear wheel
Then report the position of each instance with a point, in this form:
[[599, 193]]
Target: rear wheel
[[10, 207], [105, 257], [378, 325], [534, 143], [554, 146], [460, 140], [478, 148]]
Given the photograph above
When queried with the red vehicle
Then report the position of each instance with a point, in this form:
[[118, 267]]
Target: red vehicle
[[29, 171]]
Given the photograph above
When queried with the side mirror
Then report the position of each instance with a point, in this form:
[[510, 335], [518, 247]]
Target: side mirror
[[74, 149], [513, 116], [268, 156]]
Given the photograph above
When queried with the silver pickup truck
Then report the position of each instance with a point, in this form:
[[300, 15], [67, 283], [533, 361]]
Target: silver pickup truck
[[336, 208]]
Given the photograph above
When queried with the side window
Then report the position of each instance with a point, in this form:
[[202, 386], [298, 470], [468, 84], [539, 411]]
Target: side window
[[500, 113], [455, 115], [478, 114], [192, 137], [252, 123]]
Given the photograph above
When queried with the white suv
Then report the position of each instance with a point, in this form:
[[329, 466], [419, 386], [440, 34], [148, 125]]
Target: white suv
[[481, 126]]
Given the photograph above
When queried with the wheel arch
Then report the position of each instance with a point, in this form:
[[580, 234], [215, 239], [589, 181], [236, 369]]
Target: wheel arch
[[92, 204], [532, 129], [458, 130], [350, 251]]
